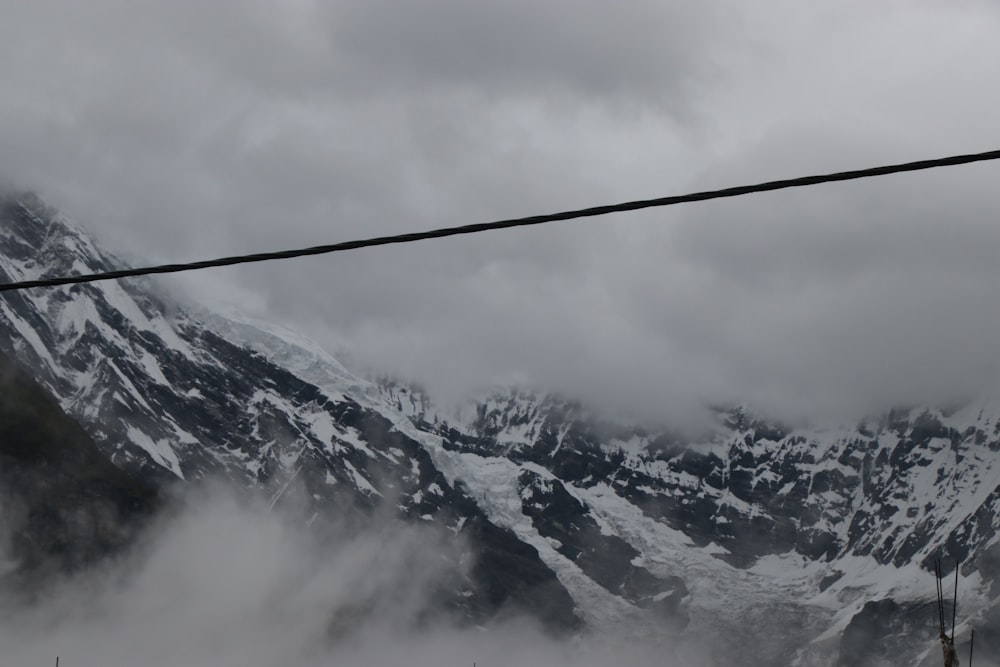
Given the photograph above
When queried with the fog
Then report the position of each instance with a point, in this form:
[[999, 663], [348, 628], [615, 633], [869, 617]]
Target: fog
[[227, 581]]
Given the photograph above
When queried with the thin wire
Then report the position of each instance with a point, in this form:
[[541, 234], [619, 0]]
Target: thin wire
[[514, 222], [954, 604], [940, 594]]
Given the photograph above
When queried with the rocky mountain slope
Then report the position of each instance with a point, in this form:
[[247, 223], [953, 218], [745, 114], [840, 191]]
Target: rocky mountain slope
[[822, 536]]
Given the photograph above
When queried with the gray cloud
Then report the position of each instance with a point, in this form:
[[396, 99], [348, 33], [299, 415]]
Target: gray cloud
[[641, 49], [180, 130]]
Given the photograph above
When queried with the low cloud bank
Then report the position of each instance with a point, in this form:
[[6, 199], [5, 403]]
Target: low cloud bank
[[230, 581]]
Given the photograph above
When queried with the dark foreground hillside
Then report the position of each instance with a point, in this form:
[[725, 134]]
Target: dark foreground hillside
[[64, 504]]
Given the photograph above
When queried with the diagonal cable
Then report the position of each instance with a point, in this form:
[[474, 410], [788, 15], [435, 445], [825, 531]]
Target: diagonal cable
[[636, 205]]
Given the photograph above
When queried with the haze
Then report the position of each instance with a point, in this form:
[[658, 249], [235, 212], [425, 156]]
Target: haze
[[227, 581]]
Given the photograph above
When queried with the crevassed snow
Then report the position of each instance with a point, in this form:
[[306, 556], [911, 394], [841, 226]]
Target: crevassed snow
[[322, 426], [30, 337], [493, 484], [294, 352], [120, 299], [74, 316], [360, 480], [152, 368], [160, 451], [132, 390], [352, 438]]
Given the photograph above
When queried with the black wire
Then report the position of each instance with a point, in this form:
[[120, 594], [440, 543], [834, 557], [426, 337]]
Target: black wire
[[940, 594], [514, 222], [954, 604]]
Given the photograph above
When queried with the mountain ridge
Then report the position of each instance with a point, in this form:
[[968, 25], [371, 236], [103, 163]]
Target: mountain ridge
[[618, 524]]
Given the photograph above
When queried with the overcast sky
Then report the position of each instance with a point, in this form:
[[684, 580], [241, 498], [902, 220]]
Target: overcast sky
[[184, 129]]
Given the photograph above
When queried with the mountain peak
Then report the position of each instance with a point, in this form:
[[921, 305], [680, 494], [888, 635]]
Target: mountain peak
[[42, 242]]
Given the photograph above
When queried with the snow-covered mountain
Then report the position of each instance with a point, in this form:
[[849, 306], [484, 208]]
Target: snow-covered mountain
[[807, 546]]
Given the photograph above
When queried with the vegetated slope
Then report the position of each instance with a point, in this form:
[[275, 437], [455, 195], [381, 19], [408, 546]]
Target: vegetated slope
[[810, 532]]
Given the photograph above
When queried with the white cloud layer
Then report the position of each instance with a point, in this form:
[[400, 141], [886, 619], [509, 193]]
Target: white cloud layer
[[182, 130]]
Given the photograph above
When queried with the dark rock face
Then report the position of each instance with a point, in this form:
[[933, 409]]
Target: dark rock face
[[607, 559], [875, 635], [508, 580], [560, 506], [761, 490]]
